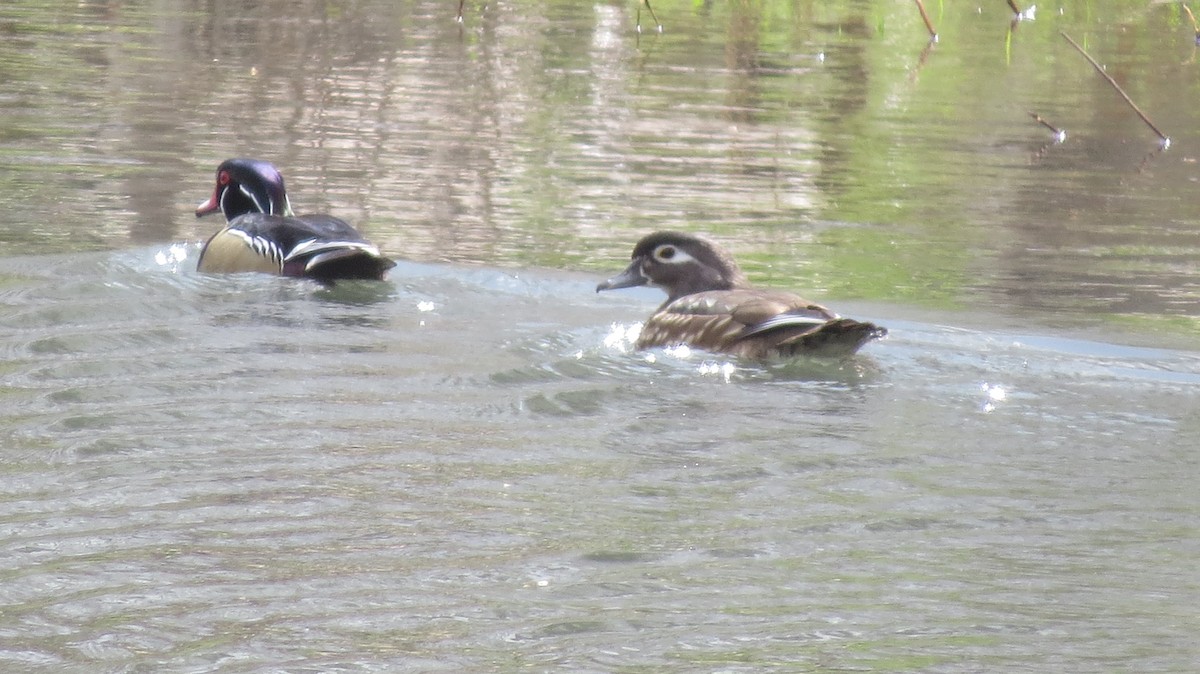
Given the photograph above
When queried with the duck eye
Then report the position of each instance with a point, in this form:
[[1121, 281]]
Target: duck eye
[[223, 178], [665, 252]]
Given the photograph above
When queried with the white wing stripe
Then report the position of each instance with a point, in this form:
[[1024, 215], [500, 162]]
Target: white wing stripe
[[785, 320], [314, 247], [261, 247]]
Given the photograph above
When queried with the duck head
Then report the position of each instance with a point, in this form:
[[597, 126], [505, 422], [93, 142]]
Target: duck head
[[680, 264], [247, 186]]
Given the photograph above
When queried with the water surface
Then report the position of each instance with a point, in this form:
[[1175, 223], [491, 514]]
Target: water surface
[[465, 468]]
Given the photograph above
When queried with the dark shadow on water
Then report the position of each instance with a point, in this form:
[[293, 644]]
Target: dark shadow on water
[[852, 370], [356, 293]]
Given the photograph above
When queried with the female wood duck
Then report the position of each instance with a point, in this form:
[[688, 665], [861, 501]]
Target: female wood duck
[[262, 234], [711, 305]]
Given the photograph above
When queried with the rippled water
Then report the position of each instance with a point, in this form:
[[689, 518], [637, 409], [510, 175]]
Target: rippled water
[[465, 468]]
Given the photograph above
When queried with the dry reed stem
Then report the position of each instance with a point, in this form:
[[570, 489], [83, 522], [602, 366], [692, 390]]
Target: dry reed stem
[[928, 23], [1100, 69]]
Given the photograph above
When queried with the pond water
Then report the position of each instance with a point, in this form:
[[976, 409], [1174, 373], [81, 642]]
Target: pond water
[[466, 467]]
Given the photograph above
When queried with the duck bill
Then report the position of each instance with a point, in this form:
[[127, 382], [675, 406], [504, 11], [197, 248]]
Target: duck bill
[[632, 276], [212, 205]]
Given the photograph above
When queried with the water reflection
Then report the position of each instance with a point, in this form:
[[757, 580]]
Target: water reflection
[[467, 465], [554, 137]]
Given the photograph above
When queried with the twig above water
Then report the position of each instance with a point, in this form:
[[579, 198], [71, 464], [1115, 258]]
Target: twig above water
[[1192, 18], [928, 24], [1100, 69], [657, 25], [1059, 134]]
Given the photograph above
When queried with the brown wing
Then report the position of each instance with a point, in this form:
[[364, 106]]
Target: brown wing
[[718, 319], [751, 308], [754, 323]]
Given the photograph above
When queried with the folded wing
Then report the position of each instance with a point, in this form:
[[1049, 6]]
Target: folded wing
[[315, 246], [755, 323]]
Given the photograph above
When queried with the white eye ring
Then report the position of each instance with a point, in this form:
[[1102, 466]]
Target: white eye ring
[[671, 254]]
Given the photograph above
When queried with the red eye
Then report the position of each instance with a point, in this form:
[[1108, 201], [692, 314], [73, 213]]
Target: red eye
[[223, 178]]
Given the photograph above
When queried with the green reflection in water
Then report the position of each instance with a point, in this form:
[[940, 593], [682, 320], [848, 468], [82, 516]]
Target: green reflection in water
[[551, 135]]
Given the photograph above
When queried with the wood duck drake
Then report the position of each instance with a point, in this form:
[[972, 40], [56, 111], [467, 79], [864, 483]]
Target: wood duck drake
[[711, 305], [262, 234]]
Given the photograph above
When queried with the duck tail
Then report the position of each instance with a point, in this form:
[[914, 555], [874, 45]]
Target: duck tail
[[334, 260], [839, 337]]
